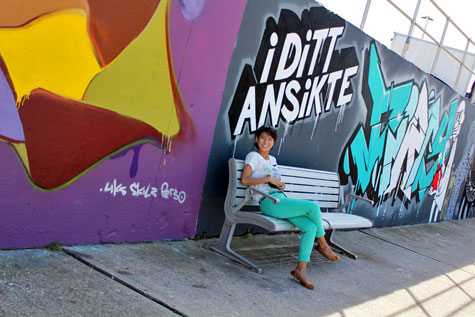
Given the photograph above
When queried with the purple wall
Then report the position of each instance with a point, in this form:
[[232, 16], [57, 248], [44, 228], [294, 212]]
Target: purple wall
[[103, 204]]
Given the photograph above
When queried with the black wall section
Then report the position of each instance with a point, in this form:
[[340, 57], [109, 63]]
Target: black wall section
[[342, 102]]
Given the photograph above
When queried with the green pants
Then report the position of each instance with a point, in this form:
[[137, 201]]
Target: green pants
[[304, 214]]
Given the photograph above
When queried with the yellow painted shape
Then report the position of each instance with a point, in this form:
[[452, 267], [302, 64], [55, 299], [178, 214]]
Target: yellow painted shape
[[138, 83], [53, 52], [21, 150]]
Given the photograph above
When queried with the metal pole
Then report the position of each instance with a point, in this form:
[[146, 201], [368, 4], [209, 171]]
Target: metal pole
[[462, 63], [428, 18], [365, 14], [453, 23], [447, 21], [431, 37], [472, 99], [411, 29]]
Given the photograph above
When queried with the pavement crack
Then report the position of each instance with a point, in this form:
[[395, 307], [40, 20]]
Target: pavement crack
[[459, 223], [413, 251], [116, 278]]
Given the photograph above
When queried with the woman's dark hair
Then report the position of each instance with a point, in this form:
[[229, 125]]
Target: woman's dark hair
[[267, 129]]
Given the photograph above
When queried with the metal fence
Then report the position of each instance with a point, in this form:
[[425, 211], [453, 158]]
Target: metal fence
[[440, 43]]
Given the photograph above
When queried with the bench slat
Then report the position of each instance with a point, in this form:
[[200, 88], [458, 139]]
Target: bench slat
[[312, 189], [305, 196], [300, 195], [314, 197], [322, 203], [339, 220], [300, 189], [303, 181], [296, 181], [298, 172], [309, 181], [284, 171], [329, 220]]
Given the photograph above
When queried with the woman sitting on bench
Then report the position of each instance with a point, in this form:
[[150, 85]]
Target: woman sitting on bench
[[261, 173]]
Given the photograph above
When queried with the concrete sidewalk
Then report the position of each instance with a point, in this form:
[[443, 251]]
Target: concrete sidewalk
[[419, 270]]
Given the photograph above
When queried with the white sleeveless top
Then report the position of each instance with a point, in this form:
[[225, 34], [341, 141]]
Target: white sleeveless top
[[262, 168]]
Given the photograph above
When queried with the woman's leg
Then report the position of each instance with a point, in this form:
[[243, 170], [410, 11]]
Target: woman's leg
[[297, 211], [289, 208], [307, 240], [324, 249], [300, 273]]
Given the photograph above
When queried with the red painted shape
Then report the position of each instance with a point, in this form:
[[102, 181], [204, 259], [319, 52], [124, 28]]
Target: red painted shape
[[114, 24], [436, 180], [64, 137], [187, 126]]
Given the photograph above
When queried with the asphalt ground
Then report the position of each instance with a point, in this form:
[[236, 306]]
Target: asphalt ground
[[417, 270]]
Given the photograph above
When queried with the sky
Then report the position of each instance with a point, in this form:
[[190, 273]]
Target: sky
[[383, 19]]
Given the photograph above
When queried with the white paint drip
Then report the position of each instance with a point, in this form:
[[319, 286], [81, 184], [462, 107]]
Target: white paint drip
[[280, 145], [235, 144], [339, 119], [314, 126], [282, 139], [401, 209]]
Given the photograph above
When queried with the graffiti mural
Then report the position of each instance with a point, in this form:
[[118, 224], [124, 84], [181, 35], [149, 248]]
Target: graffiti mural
[[72, 106], [341, 101], [468, 203], [297, 72], [407, 146], [461, 204], [99, 117]]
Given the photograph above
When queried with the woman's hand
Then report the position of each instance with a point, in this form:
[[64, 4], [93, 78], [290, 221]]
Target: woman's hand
[[282, 186], [248, 180], [277, 183]]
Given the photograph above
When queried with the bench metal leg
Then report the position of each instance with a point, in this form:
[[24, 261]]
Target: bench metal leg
[[224, 248], [336, 247]]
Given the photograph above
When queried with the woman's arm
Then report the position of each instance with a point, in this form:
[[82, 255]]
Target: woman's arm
[[248, 180]]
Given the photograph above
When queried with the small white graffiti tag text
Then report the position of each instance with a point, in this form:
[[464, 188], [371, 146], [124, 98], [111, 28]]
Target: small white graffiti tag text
[[146, 191], [173, 193], [114, 188]]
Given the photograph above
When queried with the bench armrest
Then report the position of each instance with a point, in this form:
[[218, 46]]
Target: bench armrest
[[252, 191], [350, 197]]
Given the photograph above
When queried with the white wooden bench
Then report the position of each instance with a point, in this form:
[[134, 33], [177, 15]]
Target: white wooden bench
[[322, 187]]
